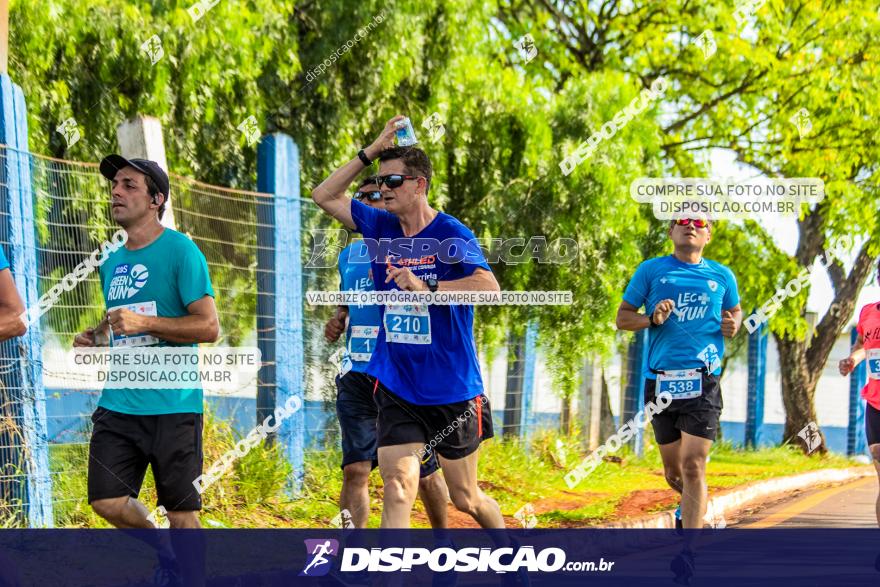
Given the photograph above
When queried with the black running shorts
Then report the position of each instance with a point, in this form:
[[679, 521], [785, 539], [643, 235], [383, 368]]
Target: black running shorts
[[124, 444], [699, 416], [452, 430]]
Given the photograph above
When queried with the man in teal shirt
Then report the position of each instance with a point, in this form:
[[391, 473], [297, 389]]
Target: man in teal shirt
[[158, 293]]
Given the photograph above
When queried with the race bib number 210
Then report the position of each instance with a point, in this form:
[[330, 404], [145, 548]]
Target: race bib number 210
[[409, 324]]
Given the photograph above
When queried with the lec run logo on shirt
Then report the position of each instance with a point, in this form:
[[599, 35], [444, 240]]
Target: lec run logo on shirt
[[127, 281], [691, 305]]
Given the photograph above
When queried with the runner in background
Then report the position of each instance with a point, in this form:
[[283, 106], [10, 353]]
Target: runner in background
[[691, 304], [355, 407], [11, 306], [868, 347]]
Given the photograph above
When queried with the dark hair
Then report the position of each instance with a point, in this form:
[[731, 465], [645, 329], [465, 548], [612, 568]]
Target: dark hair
[[415, 161], [153, 190], [367, 180]]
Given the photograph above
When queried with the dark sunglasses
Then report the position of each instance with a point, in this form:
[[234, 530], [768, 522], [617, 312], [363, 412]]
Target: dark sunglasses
[[698, 223], [373, 196], [394, 180]]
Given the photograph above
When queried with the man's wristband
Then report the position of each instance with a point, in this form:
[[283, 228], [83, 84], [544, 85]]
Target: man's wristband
[[362, 155], [651, 323]]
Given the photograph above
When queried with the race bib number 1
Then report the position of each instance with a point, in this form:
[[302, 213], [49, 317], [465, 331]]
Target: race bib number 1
[[142, 339], [408, 324], [686, 384], [362, 342], [874, 363]]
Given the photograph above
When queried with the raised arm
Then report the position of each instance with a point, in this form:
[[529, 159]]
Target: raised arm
[[330, 194]]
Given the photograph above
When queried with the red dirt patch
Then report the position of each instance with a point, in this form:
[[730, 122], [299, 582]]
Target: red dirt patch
[[456, 519], [641, 502]]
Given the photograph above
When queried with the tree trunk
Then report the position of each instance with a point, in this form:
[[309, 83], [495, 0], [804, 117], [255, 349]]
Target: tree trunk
[[565, 416], [606, 423], [798, 391]]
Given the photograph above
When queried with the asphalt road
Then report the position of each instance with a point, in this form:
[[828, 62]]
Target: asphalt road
[[849, 505]]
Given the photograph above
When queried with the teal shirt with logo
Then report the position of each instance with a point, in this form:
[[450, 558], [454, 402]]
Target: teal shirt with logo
[[161, 279]]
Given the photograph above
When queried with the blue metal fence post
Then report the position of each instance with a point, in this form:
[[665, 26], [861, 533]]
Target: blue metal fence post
[[527, 418], [25, 354], [757, 377], [279, 297], [855, 436], [634, 392]]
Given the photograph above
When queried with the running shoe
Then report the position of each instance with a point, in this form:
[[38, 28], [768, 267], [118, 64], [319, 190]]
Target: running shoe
[[167, 573], [518, 579], [683, 566], [444, 578], [338, 577]]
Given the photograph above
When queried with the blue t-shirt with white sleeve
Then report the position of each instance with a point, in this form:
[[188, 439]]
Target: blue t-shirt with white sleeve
[[425, 354], [363, 319], [691, 336]]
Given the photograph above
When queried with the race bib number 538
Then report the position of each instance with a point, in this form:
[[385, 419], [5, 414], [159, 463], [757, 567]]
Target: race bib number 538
[[409, 324], [685, 384]]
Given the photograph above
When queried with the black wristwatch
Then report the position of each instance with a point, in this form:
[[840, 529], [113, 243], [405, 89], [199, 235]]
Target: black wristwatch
[[432, 284], [362, 155], [651, 320]]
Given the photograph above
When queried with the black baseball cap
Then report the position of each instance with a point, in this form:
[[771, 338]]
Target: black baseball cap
[[111, 164]]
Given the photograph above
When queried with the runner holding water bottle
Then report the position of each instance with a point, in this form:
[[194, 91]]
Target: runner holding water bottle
[[429, 389], [355, 406], [867, 347], [691, 304]]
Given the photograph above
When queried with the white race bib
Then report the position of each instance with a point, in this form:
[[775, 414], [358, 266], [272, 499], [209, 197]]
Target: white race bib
[[362, 342], [685, 384], [141, 339], [408, 324], [873, 363]]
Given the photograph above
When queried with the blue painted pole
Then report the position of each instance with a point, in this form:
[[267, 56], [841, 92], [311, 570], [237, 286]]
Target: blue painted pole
[[528, 387], [640, 399], [279, 295], [855, 430], [24, 393], [633, 394], [757, 376]]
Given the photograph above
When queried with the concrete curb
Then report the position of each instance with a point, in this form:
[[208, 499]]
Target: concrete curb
[[726, 503]]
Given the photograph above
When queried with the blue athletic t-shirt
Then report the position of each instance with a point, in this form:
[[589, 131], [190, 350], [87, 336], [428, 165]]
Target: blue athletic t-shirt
[[4, 263], [426, 355], [363, 319], [160, 279], [691, 336]]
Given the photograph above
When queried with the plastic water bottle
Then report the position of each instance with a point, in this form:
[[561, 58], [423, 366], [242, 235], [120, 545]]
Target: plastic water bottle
[[406, 136]]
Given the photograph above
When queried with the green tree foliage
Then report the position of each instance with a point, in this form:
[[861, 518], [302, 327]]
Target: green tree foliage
[[508, 123]]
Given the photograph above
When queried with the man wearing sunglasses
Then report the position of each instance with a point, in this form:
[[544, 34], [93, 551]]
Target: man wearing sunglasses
[[429, 389], [355, 407], [691, 304]]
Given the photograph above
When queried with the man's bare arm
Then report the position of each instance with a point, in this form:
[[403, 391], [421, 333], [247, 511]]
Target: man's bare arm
[[200, 325], [11, 308]]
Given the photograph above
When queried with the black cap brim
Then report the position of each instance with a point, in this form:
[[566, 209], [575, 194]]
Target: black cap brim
[[111, 164]]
